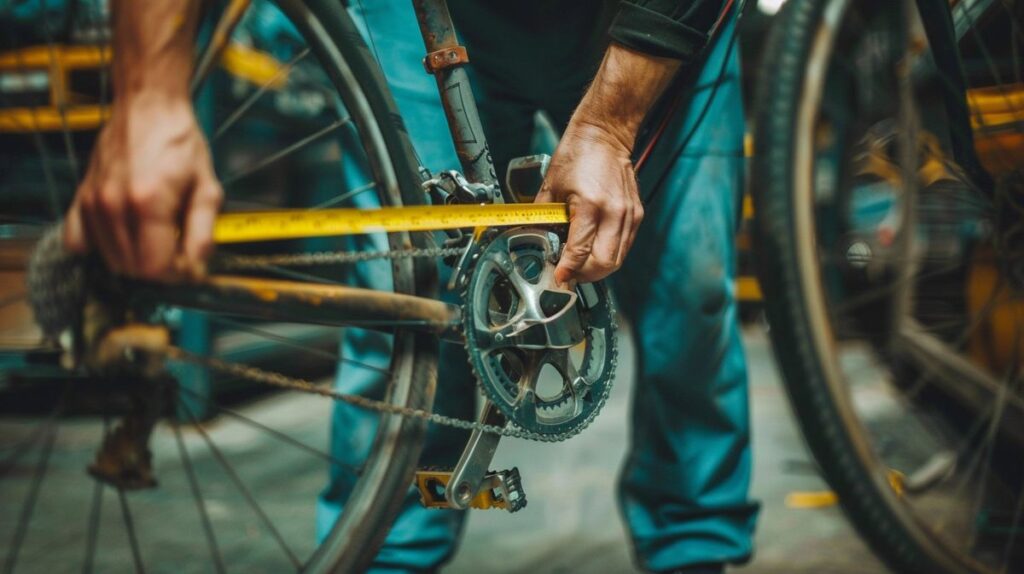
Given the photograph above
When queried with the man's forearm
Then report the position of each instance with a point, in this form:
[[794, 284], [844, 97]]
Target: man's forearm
[[150, 196], [153, 48], [624, 89]]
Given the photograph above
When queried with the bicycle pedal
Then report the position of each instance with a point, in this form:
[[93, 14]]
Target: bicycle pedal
[[501, 490]]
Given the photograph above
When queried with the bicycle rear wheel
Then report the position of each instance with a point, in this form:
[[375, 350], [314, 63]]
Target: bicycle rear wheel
[[298, 116], [887, 210]]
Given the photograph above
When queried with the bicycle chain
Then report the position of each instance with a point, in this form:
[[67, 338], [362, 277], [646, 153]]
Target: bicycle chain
[[242, 262], [291, 383]]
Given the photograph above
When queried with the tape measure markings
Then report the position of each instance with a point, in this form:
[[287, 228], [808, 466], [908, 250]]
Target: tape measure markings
[[295, 224]]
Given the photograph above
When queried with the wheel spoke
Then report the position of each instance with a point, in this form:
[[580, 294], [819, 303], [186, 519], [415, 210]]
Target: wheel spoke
[[129, 525], [253, 97], [874, 295], [346, 196], [93, 526], [42, 429], [69, 146], [197, 495], [1008, 156], [96, 507], [992, 433], [278, 156], [240, 486], [962, 339], [1015, 529], [981, 459], [53, 193], [219, 40], [28, 507], [276, 434], [336, 357], [956, 375], [48, 172]]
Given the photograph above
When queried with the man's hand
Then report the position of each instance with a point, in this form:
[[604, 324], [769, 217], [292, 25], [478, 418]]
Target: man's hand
[[593, 174], [592, 171], [150, 196]]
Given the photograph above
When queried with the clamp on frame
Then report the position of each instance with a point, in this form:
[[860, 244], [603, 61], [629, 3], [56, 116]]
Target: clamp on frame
[[445, 58]]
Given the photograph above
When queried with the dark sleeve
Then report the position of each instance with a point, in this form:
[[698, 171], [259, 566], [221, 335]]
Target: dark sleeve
[[667, 28]]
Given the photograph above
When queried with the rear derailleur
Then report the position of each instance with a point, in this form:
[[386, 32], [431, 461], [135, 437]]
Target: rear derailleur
[[84, 314]]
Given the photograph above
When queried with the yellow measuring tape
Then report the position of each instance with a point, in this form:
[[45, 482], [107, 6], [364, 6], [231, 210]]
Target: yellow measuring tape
[[296, 224]]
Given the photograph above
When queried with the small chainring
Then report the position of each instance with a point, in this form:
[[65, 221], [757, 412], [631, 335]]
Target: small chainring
[[544, 355]]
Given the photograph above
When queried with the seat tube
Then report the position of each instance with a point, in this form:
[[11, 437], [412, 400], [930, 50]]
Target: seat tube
[[446, 60]]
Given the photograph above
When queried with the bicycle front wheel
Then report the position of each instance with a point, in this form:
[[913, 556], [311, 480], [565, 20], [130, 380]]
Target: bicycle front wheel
[[887, 189]]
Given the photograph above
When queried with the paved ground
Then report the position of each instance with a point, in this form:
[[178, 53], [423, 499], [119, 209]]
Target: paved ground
[[571, 524]]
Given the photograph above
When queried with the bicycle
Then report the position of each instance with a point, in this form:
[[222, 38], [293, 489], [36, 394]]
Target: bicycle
[[114, 333], [888, 166]]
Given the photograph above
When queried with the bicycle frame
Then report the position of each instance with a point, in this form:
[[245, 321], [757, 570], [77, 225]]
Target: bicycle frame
[[338, 305], [335, 305], [445, 60]]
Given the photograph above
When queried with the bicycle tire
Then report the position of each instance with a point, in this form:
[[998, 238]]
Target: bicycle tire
[[355, 538], [377, 496], [822, 411]]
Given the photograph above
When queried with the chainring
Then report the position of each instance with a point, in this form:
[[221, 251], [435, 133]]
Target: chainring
[[552, 389]]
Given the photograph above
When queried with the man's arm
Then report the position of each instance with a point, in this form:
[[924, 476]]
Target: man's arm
[[149, 197], [592, 170]]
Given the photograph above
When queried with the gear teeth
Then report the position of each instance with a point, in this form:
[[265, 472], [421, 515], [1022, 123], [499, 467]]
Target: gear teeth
[[612, 359]]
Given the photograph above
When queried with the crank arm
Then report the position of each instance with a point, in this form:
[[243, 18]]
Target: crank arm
[[472, 467]]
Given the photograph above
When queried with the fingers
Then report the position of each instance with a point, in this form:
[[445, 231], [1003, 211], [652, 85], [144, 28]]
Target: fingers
[[110, 217], [98, 221], [625, 236], [75, 238], [544, 195], [138, 236], [157, 252], [634, 218], [583, 225], [604, 257], [149, 199], [197, 240], [601, 233]]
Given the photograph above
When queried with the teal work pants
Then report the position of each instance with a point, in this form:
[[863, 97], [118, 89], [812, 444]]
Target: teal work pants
[[684, 488]]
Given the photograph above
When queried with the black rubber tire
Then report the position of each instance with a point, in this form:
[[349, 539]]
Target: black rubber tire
[[836, 441], [378, 496]]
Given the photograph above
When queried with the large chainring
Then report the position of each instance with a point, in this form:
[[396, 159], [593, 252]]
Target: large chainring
[[544, 355]]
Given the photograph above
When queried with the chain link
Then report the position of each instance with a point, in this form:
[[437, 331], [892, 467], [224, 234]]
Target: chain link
[[239, 262], [254, 374], [285, 382]]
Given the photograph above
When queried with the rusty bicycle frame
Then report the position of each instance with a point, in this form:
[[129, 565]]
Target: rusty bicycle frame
[[339, 305]]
